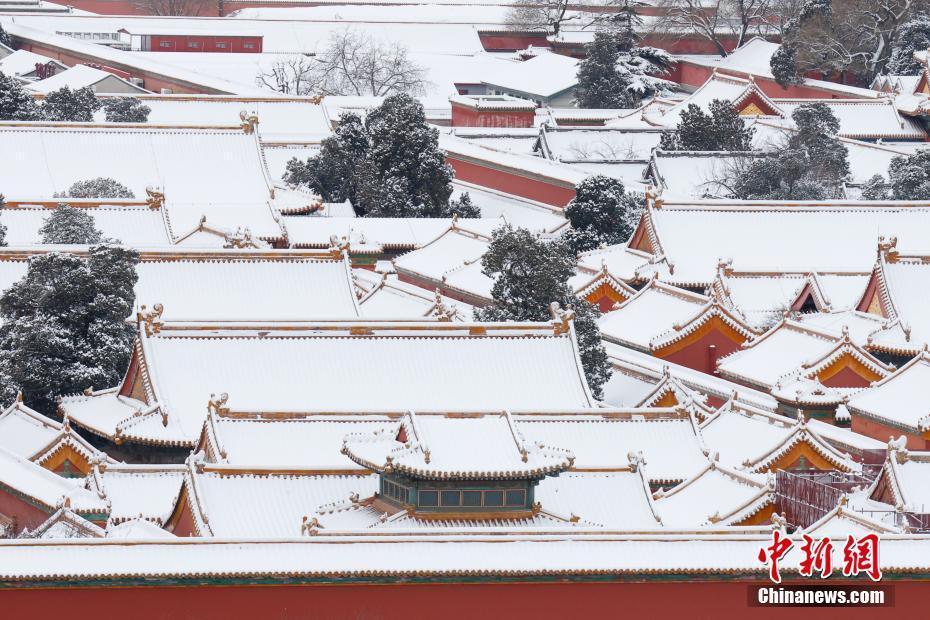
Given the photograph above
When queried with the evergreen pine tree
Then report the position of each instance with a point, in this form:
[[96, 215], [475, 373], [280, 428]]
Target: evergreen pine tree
[[721, 130], [15, 103], [909, 176], [811, 165], [101, 187], [76, 106], [333, 173], [529, 274], [64, 326], [875, 188], [784, 64], [2, 226], [600, 85], [463, 207], [126, 110], [67, 225], [405, 173], [913, 36], [5, 38], [602, 213]]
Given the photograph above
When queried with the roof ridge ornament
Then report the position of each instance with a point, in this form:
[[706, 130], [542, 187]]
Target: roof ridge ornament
[[440, 310], [217, 404], [249, 121], [155, 197], [151, 319], [888, 248], [339, 246], [561, 319], [242, 239]]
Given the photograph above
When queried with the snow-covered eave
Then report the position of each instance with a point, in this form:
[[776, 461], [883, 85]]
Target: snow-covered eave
[[712, 310], [842, 348], [841, 512], [801, 434]]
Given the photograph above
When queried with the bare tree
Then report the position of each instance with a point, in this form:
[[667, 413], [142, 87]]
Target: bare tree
[[352, 64], [717, 20], [173, 8], [853, 35], [294, 76], [546, 15]]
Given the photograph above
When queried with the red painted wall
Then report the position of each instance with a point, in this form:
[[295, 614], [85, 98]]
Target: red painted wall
[[696, 355], [511, 42], [847, 378], [881, 432], [463, 116], [25, 514], [185, 524], [511, 183], [669, 599], [695, 75], [186, 43]]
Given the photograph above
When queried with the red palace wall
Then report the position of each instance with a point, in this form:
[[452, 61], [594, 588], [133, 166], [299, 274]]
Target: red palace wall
[[463, 116], [698, 355], [24, 513], [511, 42], [881, 432], [694, 75], [184, 43], [719, 598], [511, 183]]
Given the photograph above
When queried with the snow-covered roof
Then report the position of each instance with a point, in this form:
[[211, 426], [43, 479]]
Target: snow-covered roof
[[230, 285], [385, 296], [753, 440], [717, 87], [240, 503], [652, 369], [845, 521], [690, 239], [545, 75], [134, 491], [897, 287], [213, 174], [227, 284], [714, 495], [443, 447], [753, 58], [525, 165], [452, 261], [898, 399], [137, 529], [318, 558], [669, 440], [864, 118], [81, 76], [789, 348], [22, 62], [29, 434], [598, 143], [617, 499], [763, 297], [433, 365], [656, 308], [281, 120], [135, 225], [47, 489], [280, 441], [693, 174], [42, 30]]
